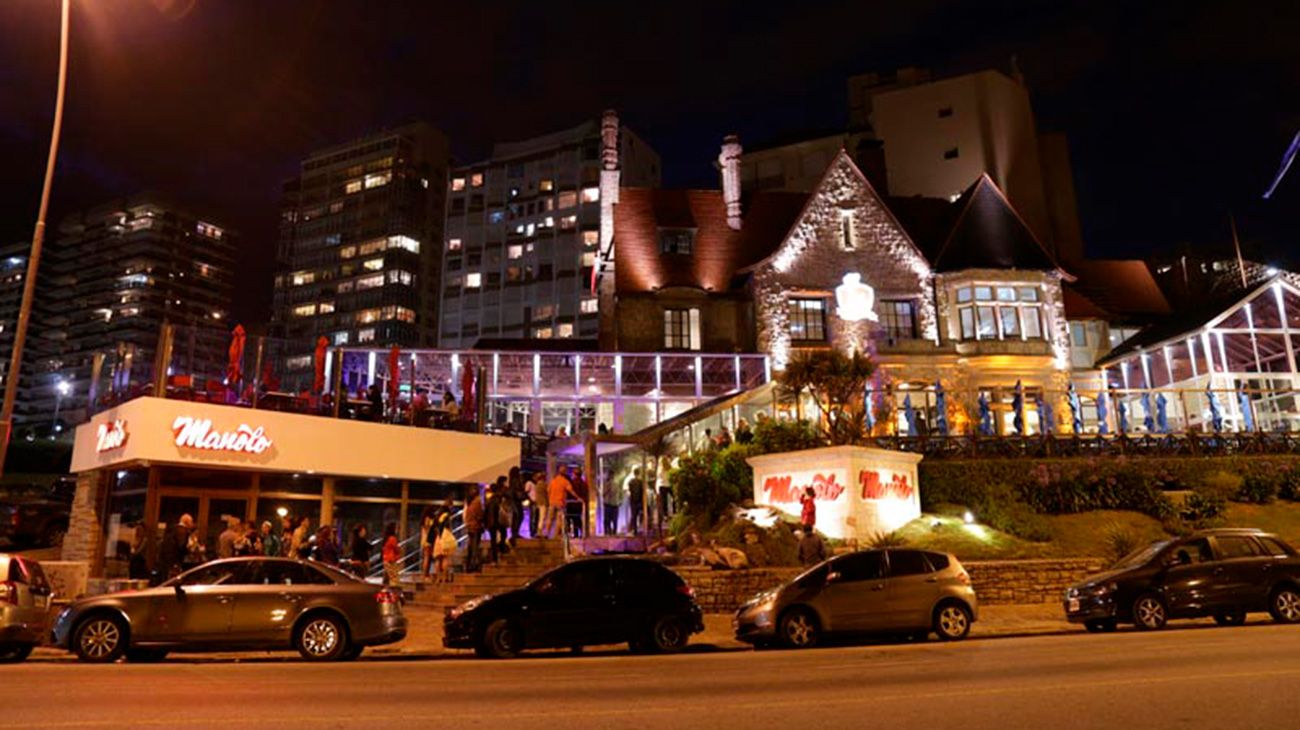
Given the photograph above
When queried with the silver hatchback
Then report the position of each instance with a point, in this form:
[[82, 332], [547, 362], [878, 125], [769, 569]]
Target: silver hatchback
[[236, 604], [24, 604]]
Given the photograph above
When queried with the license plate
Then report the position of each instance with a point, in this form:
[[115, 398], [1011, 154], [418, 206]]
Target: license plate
[[1074, 605]]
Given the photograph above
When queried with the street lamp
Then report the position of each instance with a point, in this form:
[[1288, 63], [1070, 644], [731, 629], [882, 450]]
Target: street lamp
[[61, 389], [38, 237]]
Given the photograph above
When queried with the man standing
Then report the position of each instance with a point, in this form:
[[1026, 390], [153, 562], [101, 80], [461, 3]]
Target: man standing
[[557, 491], [575, 510], [812, 549], [612, 502], [270, 540], [537, 512], [300, 545], [226, 540], [635, 500], [175, 545], [473, 529]]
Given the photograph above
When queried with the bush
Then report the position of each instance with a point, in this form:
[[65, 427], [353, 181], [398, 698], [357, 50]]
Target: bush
[[886, 540], [1204, 507], [1258, 489], [773, 437], [1120, 541]]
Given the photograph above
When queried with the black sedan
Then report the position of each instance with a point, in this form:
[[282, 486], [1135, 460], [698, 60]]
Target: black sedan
[[587, 602], [1224, 573], [236, 604]]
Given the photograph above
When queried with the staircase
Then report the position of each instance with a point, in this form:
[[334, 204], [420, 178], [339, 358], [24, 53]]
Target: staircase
[[529, 559]]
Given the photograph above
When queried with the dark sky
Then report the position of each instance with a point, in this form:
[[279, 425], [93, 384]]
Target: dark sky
[[1176, 112]]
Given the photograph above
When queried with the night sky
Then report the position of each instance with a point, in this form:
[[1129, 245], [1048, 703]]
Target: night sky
[[1176, 113]]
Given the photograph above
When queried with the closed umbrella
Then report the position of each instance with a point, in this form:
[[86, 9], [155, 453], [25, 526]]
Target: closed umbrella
[[910, 414], [941, 406], [986, 416], [394, 375], [1247, 416], [1076, 411], [869, 409], [1046, 419], [1103, 427], [318, 360], [234, 368], [467, 392], [1018, 408], [1216, 413], [1121, 412], [1162, 417], [1148, 420]]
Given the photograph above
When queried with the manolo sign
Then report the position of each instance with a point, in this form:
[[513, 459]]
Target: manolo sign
[[197, 433], [826, 487]]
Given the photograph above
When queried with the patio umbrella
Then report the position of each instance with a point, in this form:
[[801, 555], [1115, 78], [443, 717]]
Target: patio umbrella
[[986, 416], [1076, 411], [1216, 413], [1149, 419], [1247, 416], [234, 368], [941, 406], [394, 375], [467, 392], [910, 414], [1162, 418], [1121, 412], [269, 381], [1018, 407], [1046, 419], [318, 360], [1103, 427], [869, 409]]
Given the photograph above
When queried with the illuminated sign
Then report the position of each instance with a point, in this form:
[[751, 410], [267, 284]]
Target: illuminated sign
[[197, 433], [854, 300], [111, 435], [789, 488], [876, 487]]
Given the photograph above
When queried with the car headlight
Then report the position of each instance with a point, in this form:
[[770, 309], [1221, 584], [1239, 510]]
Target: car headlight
[[466, 607]]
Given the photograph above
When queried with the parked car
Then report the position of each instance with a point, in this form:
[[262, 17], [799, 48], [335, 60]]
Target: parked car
[[587, 602], [24, 603], [893, 590], [36, 516], [236, 604], [1224, 573]]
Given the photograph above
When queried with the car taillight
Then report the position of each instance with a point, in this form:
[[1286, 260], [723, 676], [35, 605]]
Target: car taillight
[[387, 596], [9, 592], [686, 590]]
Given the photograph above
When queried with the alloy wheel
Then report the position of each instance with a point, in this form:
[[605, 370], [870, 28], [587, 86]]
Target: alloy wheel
[[953, 622], [669, 634], [320, 637], [799, 630], [100, 638], [1149, 613], [1286, 605]]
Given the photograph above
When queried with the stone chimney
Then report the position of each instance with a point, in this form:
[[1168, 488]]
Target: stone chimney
[[609, 140], [729, 162]]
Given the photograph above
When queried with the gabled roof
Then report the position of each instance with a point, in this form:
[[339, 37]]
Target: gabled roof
[[1123, 287], [1079, 306], [989, 234]]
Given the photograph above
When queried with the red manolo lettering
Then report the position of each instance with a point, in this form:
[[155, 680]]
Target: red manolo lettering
[[196, 433], [783, 488], [874, 488], [778, 489]]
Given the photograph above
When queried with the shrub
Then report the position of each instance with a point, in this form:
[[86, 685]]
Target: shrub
[[772, 436], [1120, 541], [886, 540], [1204, 507], [1258, 489]]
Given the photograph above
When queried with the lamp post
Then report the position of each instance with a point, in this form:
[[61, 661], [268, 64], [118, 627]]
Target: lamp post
[[61, 389], [38, 237]]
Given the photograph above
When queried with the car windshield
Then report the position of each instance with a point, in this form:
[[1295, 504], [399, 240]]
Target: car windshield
[[1142, 556]]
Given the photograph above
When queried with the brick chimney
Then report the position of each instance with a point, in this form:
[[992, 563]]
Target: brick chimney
[[729, 162]]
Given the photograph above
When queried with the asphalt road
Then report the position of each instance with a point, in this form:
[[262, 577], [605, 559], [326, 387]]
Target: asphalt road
[[1188, 678]]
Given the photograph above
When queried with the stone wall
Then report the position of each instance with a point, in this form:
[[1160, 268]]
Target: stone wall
[[996, 581], [84, 541]]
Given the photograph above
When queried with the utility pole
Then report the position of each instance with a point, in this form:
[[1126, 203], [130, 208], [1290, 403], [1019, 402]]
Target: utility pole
[[38, 237]]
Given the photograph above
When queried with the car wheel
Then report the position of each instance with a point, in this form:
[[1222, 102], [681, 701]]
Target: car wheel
[[798, 629], [352, 653], [1100, 626], [99, 639], [1149, 612], [668, 635], [14, 653], [502, 640], [952, 621], [145, 656], [1230, 618], [1284, 604], [321, 638]]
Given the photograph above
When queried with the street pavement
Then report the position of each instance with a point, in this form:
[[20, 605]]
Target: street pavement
[[1192, 677]]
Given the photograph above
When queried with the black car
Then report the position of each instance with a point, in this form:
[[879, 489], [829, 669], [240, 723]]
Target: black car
[[36, 516], [1223, 573], [586, 602]]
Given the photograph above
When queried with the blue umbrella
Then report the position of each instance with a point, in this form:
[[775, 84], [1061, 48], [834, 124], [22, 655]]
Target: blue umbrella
[[1162, 418], [941, 406], [1046, 419], [1149, 419], [1018, 407], [1121, 410], [1216, 413], [986, 417], [1247, 416], [1103, 427], [1076, 411], [870, 409], [910, 414]]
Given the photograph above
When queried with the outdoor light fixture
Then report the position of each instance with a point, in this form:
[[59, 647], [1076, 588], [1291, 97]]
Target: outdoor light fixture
[[968, 517], [282, 511]]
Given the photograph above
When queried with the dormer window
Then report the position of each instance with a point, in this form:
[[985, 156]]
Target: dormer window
[[676, 241], [847, 239]]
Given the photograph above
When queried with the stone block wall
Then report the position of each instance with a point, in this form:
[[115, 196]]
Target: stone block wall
[[85, 539], [997, 582]]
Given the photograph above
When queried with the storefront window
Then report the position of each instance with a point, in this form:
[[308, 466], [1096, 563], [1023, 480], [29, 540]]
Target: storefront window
[[368, 488], [205, 478], [291, 483]]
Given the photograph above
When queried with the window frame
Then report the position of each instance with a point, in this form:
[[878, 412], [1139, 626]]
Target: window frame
[[797, 314]]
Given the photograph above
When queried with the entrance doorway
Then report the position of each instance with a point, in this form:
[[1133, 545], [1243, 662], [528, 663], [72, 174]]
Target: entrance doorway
[[211, 513]]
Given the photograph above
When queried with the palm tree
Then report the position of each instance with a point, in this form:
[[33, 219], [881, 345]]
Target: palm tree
[[837, 384]]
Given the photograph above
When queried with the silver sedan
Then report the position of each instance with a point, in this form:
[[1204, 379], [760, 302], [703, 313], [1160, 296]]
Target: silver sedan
[[235, 605]]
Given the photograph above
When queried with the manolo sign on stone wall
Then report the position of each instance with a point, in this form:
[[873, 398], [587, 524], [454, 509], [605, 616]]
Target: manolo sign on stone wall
[[859, 491]]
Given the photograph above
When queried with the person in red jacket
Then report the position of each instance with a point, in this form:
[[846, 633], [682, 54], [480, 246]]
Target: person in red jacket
[[808, 516], [392, 553]]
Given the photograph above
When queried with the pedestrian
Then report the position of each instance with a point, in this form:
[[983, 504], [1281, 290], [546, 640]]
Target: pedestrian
[[392, 555], [226, 540], [665, 491], [376, 398], [327, 547], [499, 514], [270, 540], [744, 434], [536, 487], [574, 508], [427, 537], [172, 552], [559, 488], [242, 545], [708, 442], [300, 545], [635, 501], [473, 529], [285, 538], [611, 502], [518, 497], [724, 438], [812, 549], [359, 550], [808, 513], [444, 548]]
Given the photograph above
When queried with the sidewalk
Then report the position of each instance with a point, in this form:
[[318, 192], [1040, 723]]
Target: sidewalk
[[424, 637]]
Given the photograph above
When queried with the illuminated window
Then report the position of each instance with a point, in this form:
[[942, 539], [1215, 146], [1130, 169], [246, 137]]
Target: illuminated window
[[301, 362], [898, 318], [326, 307], [590, 238], [347, 252], [568, 199], [406, 243], [682, 329], [457, 184], [1000, 312], [401, 314], [847, 240], [807, 320], [340, 338], [476, 180], [400, 277], [303, 277], [370, 282], [547, 222], [366, 316], [590, 195], [514, 252], [543, 333], [336, 206], [453, 244], [304, 310], [545, 311], [373, 265], [590, 306], [564, 330], [548, 204], [474, 280], [345, 286], [546, 186], [353, 186], [496, 216], [366, 335], [130, 312], [370, 247], [209, 230], [378, 179], [568, 222]]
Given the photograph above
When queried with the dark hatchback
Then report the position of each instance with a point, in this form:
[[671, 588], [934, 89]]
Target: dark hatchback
[[1223, 573], [583, 603]]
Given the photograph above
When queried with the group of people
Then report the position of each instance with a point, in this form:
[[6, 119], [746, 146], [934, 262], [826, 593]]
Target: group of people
[[500, 511], [724, 438]]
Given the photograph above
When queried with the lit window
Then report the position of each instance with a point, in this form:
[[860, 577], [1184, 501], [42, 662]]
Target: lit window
[[209, 230], [301, 362], [303, 277], [347, 252], [898, 318], [847, 240], [370, 247], [476, 180], [530, 229], [353, 186], [340, 338], [378, 179], [514, 252], [366, 335], [474, 280], [590, 238], [590, 195], [336, 206], [326, 307], [370, 282], [546, 311], [302, 310], [1078, 334], [682, 329], [568, 199], [568, 222], [345, 286], [546, 186], [1002, 312], [401, 314], [366, 316], [548, 222], [496, 216], [807, 320], [543, 333], [400, 277], [457, 185], [590, 306], [130, 312], [406, 243], [453, 244], [564, 330], [373, 265]]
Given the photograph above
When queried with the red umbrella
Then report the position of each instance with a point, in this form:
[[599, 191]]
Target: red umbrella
[[234, 369], [467, 391], [394, 374], [269, 381], [318, 386]]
